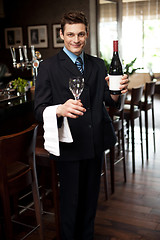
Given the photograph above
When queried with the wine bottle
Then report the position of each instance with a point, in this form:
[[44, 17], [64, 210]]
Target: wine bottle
[[115, 71]]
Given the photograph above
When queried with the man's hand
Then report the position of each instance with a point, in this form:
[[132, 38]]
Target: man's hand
[[123, 83], [71, 108], [123, 86]]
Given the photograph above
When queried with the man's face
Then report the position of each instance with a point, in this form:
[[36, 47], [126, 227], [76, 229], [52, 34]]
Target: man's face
[[74, 37]]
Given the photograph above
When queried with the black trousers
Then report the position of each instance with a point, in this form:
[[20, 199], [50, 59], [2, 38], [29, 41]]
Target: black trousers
[[79, 190]]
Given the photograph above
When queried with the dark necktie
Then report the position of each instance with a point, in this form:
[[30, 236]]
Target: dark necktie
[[79, 64]]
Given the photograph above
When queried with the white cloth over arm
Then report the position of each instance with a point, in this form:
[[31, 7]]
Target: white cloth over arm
[[53, 134]]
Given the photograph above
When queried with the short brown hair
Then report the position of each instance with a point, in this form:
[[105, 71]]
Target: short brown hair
[[73, 17]]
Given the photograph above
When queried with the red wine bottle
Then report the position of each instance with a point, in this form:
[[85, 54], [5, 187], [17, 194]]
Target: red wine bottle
[[115, 71]]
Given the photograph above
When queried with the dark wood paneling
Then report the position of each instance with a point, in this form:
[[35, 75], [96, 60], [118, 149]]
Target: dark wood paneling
[[24, 13]]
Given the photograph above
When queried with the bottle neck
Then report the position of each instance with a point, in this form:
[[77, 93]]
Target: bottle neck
[[115, 46], [115, 54]]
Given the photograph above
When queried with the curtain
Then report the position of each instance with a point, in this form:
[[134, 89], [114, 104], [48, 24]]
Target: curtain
[[108, 12], [142, 9]]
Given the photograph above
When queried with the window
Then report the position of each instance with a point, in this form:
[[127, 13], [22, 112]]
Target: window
[[107, 28], [140, 32]]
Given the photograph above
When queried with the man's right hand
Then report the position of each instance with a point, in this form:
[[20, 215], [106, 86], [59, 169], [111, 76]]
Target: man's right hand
[[71, 108]]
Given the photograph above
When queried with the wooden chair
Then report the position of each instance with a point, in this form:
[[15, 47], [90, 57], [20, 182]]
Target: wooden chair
[[44, 162], [116, 153], [146, 105], [17, 172], [132, 111]]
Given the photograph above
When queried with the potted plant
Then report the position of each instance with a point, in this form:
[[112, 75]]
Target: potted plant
[[127, 68], [20, 84]]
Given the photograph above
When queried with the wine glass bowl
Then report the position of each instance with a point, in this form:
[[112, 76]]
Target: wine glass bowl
[[76, 86]]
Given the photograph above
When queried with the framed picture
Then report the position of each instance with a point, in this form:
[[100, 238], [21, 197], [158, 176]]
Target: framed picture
[[13, 37], [38, 36], [57, 41]]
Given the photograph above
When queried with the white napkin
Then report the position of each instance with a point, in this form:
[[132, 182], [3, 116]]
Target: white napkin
[[53, 134]]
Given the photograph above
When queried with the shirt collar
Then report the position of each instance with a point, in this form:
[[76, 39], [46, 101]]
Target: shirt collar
[[72, 56]]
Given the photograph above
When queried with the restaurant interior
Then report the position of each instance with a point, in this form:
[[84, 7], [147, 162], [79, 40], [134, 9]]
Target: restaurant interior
[[129, 200]]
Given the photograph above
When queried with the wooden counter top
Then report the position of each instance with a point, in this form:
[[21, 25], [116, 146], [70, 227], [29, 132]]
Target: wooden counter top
[[16, 114]]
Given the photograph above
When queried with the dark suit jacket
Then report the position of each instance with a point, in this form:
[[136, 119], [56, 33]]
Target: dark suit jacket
[[93, 132]]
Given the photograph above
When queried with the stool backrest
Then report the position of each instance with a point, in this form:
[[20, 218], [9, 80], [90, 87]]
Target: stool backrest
[[123, 97], [136, 95], [113, 111], [18, 147], [18, 171], [149, 89]]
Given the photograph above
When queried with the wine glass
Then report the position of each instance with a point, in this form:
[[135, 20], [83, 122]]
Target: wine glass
[[76, 86]]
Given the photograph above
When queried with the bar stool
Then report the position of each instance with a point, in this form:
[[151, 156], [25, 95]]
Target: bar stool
[[43, 161], [146, 105], [115, 156], [132, 111], [118, 124], [17, 172]]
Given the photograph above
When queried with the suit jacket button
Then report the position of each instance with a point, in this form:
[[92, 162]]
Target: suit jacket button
[[89, 125]]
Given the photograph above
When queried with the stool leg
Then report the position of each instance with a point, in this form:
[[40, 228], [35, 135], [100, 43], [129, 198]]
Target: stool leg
[[119, 144], [127, 127], [7, 214], [56, 198], [112, 157], [133, 147], [105, 176], [146, 130], [123, 150], [140, 124], [37, 206], [153, 126]]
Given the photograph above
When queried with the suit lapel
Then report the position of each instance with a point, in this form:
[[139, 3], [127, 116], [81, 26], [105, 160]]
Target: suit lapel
[[71, 67], [68, 64], [87, 68]]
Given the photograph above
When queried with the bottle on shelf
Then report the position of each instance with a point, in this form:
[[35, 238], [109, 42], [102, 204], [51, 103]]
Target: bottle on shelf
[[115, 71]]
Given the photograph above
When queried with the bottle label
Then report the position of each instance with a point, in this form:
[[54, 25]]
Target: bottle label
[[114, 82]]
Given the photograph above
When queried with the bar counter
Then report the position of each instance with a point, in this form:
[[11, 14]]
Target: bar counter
[[16, 113]]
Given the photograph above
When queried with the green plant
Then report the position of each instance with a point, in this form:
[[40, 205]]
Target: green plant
[[20, 84], [107, 64], [127, 68]]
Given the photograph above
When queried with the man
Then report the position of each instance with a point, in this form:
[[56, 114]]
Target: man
[[79, 164]]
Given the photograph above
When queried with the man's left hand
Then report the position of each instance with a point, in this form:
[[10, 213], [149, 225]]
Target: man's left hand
[[123, 83]]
